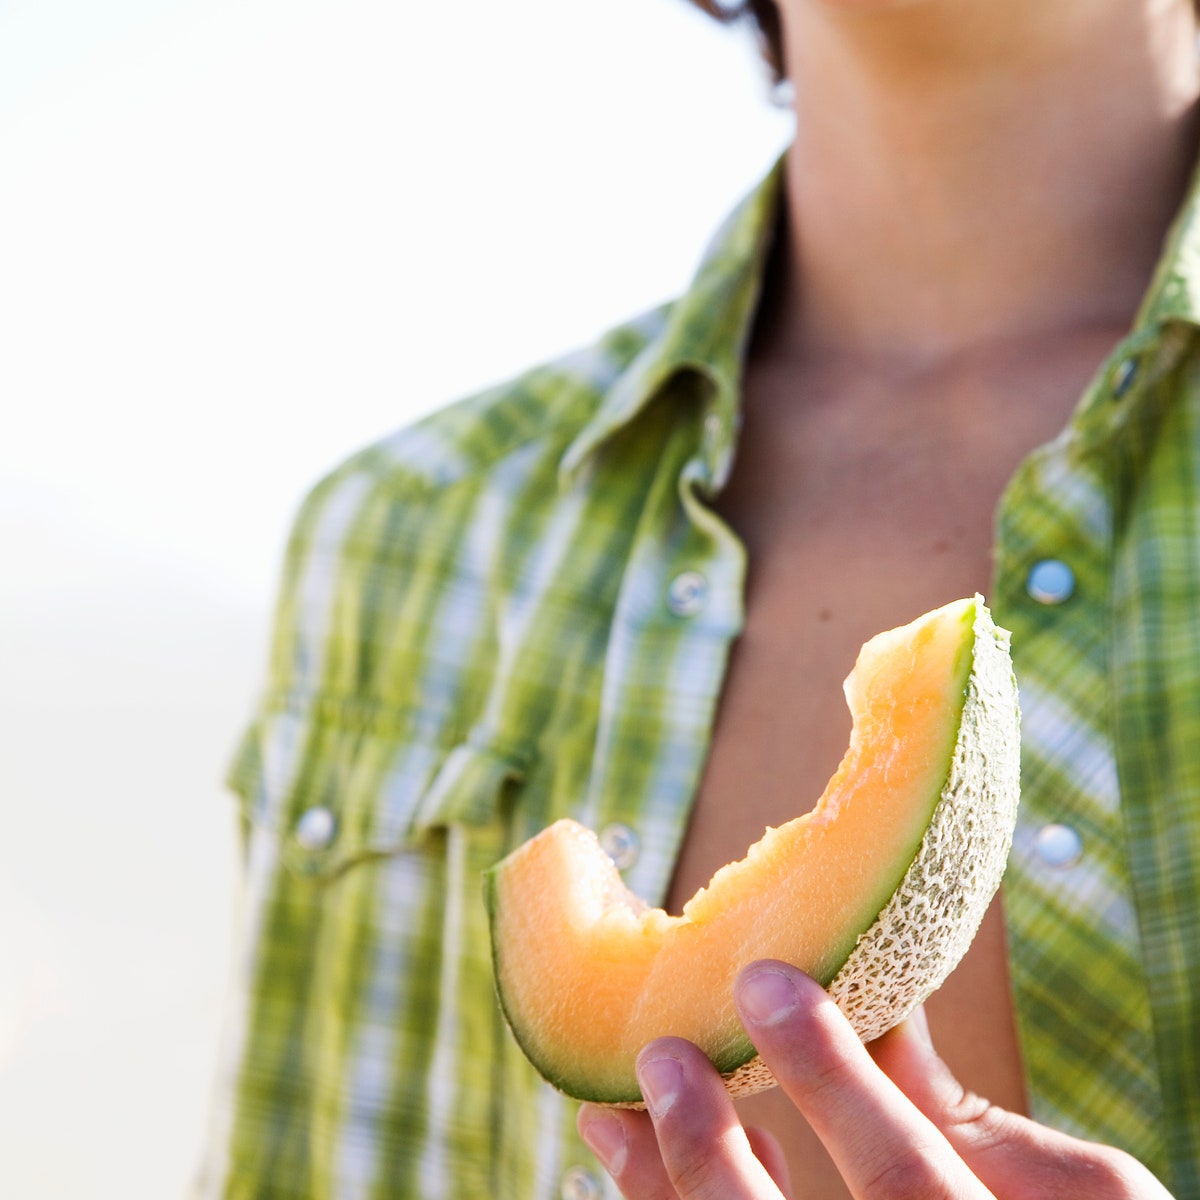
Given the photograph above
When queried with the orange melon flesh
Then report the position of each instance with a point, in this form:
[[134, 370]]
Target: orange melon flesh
[[587, 973]]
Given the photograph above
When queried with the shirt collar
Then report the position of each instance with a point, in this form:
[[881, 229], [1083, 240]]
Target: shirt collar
[[705, 332], [1162, 331]]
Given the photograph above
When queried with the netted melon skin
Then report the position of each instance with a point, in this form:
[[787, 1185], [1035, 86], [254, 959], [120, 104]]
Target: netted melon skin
[[933, 916]]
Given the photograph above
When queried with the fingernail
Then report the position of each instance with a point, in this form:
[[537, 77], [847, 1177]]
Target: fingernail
[[767, 997], [605, 1137], [661, 1079]]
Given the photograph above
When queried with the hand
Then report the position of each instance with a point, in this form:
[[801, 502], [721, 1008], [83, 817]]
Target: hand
[[894, 1120]]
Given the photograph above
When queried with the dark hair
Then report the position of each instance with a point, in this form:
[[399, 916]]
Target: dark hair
[[764, 16]]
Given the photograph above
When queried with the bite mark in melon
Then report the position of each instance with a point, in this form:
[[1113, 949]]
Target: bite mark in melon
[[876, 893]]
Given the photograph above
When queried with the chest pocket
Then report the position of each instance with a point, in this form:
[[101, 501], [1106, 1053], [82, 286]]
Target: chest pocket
[[333, 788]]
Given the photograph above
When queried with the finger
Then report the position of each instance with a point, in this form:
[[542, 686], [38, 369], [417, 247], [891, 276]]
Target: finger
[[704, 1149], [906, 1054], [972, 1125], [882, 1144], [627, 1147], [770, 1153], [1004, 1149]]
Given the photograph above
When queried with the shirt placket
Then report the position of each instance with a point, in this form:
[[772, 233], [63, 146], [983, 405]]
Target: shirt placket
[[677, 612], [679, 608], [1079, 988]]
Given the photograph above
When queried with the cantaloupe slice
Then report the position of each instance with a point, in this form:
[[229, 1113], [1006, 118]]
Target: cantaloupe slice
[[876, 893]]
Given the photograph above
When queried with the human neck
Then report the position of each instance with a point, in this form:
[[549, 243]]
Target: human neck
[[967, 172]]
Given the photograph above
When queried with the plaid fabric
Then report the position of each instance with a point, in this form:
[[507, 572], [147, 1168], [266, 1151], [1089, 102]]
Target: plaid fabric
[[520, 609]]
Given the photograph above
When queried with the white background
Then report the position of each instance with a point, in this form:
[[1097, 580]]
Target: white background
[[239, 239]]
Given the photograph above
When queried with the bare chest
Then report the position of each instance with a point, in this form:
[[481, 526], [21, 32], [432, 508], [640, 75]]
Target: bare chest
[[850, 528], [848, 535]]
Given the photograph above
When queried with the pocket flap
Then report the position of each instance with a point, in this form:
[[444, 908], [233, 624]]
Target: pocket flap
[[470, 786], [332, 794]]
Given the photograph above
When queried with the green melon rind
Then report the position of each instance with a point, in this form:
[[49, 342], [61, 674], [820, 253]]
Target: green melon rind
[[931, 919], [899, 961]]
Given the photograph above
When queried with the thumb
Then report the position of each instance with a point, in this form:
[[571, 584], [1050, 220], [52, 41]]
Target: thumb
[[1009, 1153], [906, 1054]]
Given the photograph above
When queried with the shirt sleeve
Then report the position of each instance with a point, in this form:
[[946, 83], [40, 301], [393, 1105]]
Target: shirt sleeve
[[364, 1053]]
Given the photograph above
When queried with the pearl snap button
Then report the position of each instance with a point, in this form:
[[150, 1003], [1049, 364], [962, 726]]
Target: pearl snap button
[[1058, 845], [314, 830], [578, 1183], [687, 593], [1050, 581], [621, 844]]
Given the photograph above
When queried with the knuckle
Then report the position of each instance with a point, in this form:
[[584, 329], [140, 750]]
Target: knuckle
[[692, 1175], [822, 1069], [905, 1177], [985, 1124], [825, 1076]]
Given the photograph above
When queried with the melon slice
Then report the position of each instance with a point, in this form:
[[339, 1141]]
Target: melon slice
[[876, 893]]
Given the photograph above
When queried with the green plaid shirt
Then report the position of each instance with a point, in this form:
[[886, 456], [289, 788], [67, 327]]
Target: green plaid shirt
[[521, 608]]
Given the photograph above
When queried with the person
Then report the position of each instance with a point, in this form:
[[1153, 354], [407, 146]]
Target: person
[[949, 345]]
